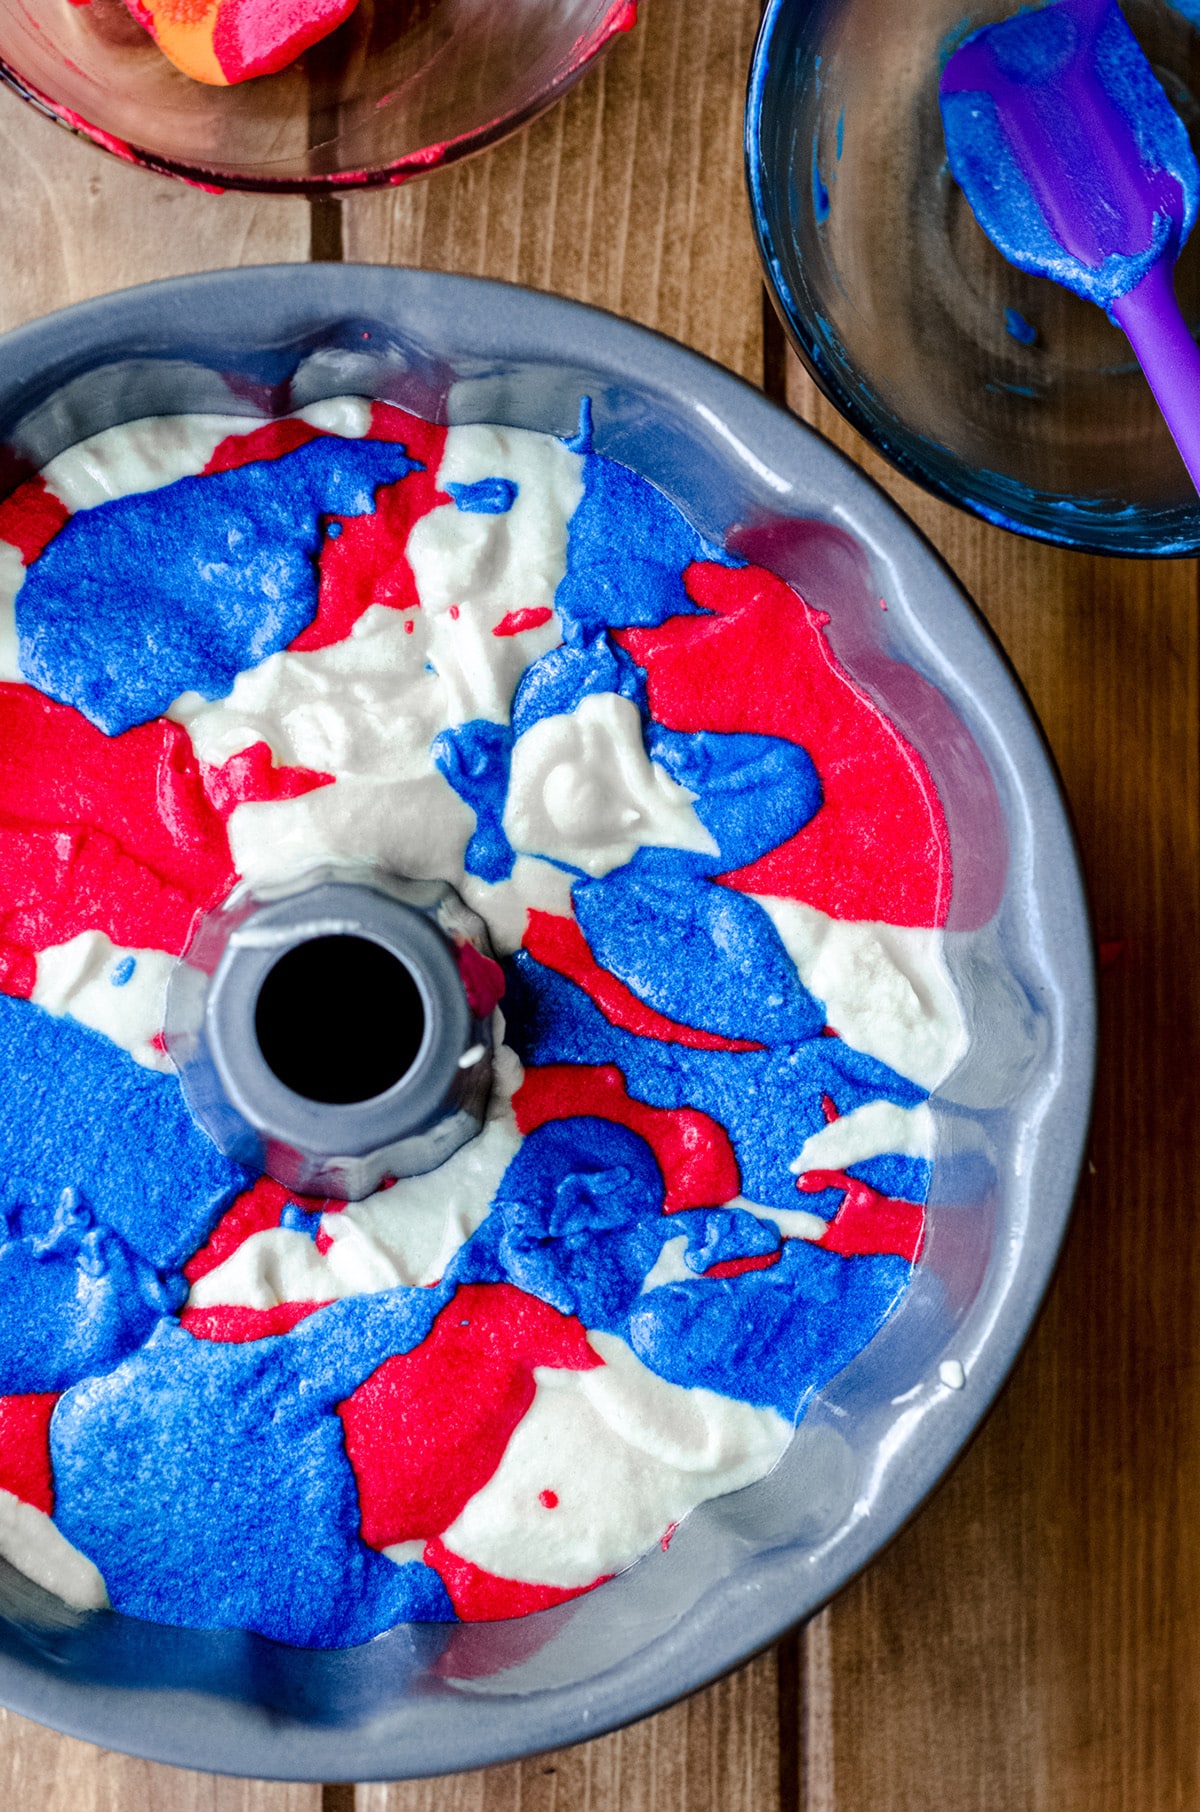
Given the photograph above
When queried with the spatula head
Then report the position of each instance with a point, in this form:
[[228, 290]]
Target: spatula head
[[1074, 161]]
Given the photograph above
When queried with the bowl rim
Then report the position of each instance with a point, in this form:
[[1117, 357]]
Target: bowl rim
[[808, 348], [621, 16], [777, 1589]]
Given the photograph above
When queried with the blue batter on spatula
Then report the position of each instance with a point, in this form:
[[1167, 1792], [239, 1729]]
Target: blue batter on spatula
[[1079, 169]]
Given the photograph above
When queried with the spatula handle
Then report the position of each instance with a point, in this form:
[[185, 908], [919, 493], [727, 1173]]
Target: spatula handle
[[1168, 355]]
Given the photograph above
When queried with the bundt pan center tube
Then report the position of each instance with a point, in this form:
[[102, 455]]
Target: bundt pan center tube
[[336, 1031]]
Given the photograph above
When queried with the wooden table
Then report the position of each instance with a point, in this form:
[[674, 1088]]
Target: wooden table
[[1028, 1642]]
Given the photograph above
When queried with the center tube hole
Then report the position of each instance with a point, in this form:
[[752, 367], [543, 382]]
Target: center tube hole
[[339, 1019]]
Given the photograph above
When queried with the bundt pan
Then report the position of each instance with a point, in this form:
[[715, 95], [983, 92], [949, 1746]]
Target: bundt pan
[[1011, 1120]]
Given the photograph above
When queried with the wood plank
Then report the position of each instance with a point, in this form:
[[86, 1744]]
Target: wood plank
[[628, 195], [42, 1772], [1029, 1641], [77, 222], [715, 1752]]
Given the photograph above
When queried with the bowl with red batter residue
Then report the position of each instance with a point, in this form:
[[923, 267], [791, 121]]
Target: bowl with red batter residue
[[392, 92], [880, 711]]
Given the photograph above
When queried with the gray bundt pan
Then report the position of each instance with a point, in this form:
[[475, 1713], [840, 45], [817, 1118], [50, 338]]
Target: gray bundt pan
[[1012, 1121]]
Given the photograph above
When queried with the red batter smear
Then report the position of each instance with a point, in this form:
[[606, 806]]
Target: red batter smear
[[367, 563], [271, 441], [251, 777], [120, 834], [230, 1322], [559, 943], [482, 980], [113, 834], [365, 560], [18, 967], [878, 847], [481, 1597], [518, 621], [25, 1448], [427, 1430], [621, 17], [737, 1267], [255, 1210], [31, 518], [692, 1150], [867, 1225]]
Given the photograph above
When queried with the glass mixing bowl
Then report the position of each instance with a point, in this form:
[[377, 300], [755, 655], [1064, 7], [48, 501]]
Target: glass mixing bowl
[[401, 87], [996, 390], [1010, 1121]]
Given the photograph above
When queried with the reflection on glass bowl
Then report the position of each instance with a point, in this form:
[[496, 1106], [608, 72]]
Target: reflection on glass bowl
[[996, 390], [402, 87]]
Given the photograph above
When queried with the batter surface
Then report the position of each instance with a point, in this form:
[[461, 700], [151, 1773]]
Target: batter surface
[[715, 875]]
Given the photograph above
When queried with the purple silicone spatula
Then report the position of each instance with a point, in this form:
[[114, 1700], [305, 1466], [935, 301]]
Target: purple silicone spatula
[[1078, 168]]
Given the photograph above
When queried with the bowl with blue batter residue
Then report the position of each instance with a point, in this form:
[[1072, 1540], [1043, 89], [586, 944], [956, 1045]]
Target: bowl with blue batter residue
[[712, 926], [991, 387]]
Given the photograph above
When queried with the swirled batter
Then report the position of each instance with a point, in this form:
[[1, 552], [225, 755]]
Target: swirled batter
[[716, 875]]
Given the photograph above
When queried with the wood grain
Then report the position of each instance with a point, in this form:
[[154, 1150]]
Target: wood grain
[[714, 1753], [1029, 1641], [42, 1772], [76, 223], [628, 195]]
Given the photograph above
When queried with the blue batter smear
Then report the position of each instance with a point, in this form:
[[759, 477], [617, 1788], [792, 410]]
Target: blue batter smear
[[107, 1186], [117, 1134], [768, 1101], [578, 1222], [266, 1537], [183, 588], [486, 497], [820, 193], [475, 758], [77, 1298], [627, 551]]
